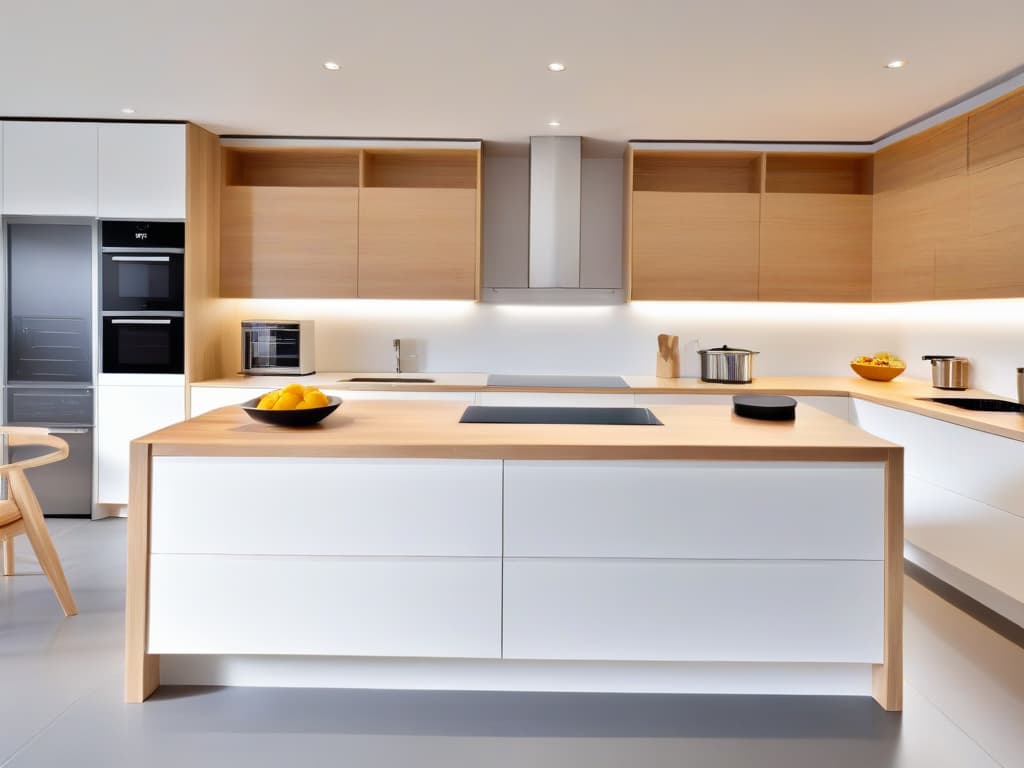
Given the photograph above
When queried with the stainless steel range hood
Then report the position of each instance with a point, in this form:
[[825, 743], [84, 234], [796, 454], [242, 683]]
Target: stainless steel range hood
[[555, 189]]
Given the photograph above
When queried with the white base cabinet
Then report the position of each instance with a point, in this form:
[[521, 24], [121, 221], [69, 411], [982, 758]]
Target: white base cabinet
[[693, 610], [122, 414], [374, 606]]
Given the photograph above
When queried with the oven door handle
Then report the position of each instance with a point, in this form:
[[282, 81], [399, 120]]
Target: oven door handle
[[136, 249], [148, 321], [54, 431], [141, 258]]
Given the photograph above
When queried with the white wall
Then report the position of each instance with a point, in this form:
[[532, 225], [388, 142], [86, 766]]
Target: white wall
[[989, 333]]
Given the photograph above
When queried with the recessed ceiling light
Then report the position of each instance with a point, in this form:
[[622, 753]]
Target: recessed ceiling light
[[333, 66], [127, 111], [897, 64], [554, 124], [556, 66]]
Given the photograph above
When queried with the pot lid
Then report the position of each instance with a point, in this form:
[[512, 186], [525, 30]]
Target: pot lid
[[726, 348]]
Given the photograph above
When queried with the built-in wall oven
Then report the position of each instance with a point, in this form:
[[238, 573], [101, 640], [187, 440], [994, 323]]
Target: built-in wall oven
[[143, 297]]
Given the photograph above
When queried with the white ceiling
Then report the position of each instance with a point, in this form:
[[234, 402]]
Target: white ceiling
[[646, 69]]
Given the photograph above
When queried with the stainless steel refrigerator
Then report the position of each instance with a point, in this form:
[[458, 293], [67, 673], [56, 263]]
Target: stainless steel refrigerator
[[49, 371]]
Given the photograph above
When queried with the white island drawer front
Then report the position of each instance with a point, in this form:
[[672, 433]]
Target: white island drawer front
[[325, 606], [704, 509], [677, 610], [322, 506]]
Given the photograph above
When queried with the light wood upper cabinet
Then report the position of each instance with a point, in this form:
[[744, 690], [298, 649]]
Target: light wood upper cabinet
[[693, 225], [289, 223], [336, 222], [996, 133], [815, 247], [141, 171], [49, 168], [990, 262], [915, 229], [419, 224], [695, 245], [417, 243], [937, 153], [289, 242]]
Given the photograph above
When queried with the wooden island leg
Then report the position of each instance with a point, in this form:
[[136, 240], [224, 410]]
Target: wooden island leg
[[141, 669], [887, 677]]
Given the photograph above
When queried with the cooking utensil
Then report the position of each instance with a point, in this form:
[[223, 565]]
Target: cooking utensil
[[292, 418], [726, 365], [668, 357], [1020, 386], [948, 371]]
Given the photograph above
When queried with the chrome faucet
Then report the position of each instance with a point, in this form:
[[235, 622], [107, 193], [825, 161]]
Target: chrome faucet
[[398, 355]]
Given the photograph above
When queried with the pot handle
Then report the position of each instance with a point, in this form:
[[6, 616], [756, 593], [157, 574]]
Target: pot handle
[[937, 357]]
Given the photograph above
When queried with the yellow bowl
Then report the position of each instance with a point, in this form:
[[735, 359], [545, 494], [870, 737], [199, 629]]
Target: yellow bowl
[[877, 372]]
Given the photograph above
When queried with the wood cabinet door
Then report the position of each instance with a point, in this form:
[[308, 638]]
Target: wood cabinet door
[[289, 242], [991, 262], [417, 243], [815, 248], [695, 245], [915, 229]]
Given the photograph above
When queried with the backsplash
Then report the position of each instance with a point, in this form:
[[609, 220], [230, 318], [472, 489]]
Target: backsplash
[[797, 339]]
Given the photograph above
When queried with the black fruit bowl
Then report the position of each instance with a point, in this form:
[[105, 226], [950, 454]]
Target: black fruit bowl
[[295, 418]]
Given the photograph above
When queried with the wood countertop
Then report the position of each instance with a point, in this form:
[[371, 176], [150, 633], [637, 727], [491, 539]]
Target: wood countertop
[[428, 429], [902, 393]]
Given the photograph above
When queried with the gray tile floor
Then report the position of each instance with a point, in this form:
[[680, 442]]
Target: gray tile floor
[[60, 702]]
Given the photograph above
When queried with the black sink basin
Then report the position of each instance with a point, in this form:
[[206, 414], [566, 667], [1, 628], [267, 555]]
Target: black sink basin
[[977, 403], [502, 414], [387, 380]]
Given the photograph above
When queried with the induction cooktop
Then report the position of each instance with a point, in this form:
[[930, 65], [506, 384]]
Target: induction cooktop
[[503, 414]]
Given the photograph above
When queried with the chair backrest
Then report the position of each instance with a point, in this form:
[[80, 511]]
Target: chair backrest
[[28, 436]]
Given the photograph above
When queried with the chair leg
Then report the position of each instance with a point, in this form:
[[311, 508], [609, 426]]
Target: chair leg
[[39, 537], [9, 556]]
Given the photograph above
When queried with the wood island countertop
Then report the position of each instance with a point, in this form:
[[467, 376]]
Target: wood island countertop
[[431, 429], [902, 393]]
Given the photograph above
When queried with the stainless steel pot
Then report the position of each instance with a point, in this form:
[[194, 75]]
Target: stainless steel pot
[[948, 371], [725, 365]]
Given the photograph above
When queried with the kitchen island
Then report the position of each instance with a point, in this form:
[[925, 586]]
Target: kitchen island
[[391, 546]]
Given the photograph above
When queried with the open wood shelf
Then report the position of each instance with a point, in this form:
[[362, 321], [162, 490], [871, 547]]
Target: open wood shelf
[[420, 168], [680, 171], [291, 167], [819, 174]]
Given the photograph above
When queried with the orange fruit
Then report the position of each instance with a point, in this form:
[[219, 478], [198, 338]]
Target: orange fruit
[[315, 399], [268, 401], [287, 401], [295, 389]]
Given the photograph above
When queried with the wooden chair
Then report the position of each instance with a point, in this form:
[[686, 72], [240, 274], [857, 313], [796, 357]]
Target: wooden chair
[[21, 512]]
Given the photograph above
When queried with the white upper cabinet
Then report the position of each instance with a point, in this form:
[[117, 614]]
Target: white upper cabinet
[[141, 171], [49, 168]]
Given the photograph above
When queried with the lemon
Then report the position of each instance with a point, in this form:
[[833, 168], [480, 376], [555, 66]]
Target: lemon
[[294, 389], [287, 401], [268, 401], [315, 399]]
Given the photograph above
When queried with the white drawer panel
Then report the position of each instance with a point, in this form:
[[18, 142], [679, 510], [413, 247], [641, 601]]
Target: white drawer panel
[[664, 610], [556, 399], [788, 510], [325, 606], [311, 506]]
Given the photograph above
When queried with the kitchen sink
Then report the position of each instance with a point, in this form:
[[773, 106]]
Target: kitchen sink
[[386, 380], [978, 403]]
